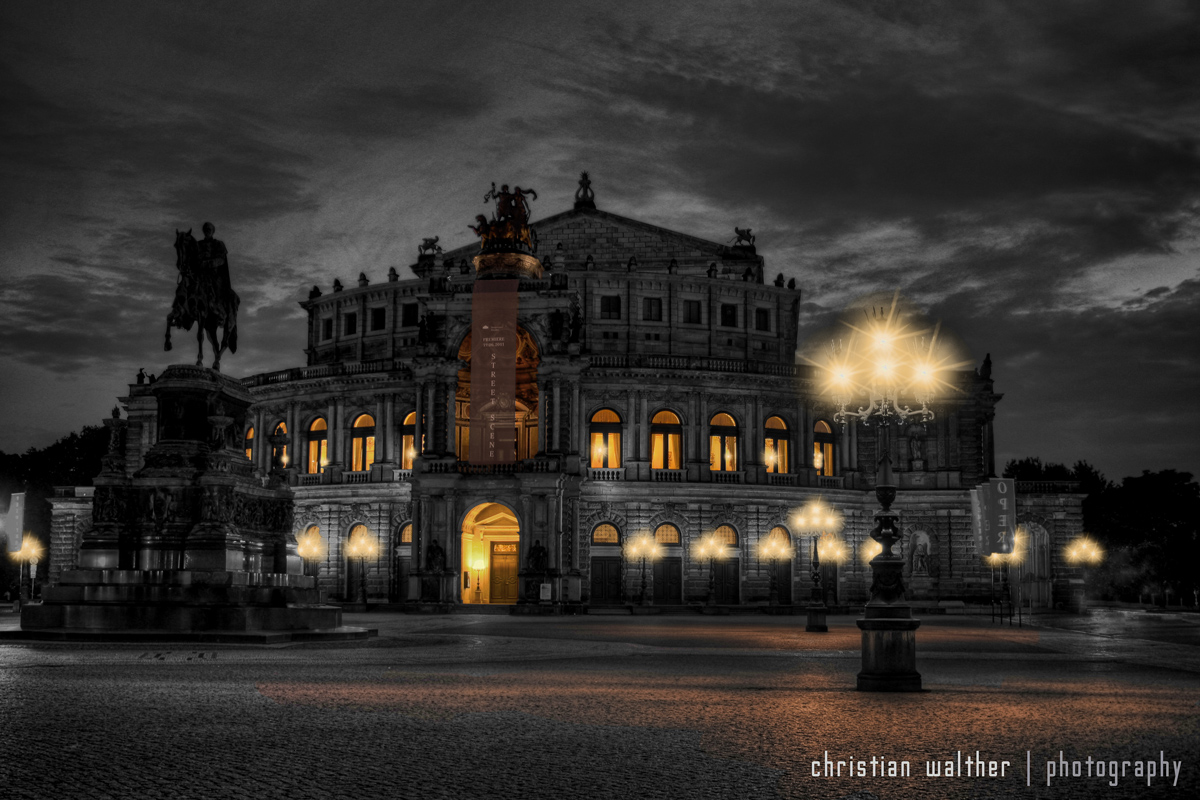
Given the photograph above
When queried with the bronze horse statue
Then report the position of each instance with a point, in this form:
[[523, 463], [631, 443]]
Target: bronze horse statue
[[204, 296]]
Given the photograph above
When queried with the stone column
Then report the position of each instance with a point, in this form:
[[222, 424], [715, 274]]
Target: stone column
[[419, 424], [557, 389], [389, 426], [330, 427]]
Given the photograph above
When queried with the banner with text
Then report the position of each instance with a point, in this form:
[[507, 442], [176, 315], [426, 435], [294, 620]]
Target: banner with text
[[14, 522], [493, 434], [994, 515]]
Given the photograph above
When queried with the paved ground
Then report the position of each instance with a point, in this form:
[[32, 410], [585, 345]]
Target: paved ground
[[603, 706]]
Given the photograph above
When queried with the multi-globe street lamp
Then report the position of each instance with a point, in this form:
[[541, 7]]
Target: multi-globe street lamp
[[361, 547], [1083, 552], [774, 550], [712, 549], [30, 552], [815, 520], [889, 361], [642, 548]]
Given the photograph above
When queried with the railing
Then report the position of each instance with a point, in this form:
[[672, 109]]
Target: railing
[[781, 479], [326, 371], [691, 363], [402, 474], [1048, 487], [727, 477], [830, 482], [668, 475], [311, 480], [537, 465], [356, 477], [606, 474]]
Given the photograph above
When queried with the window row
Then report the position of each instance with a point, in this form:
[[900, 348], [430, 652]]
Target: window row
[[652, 311], [376, 320], [666, 443], [315, 444], [668, 535]]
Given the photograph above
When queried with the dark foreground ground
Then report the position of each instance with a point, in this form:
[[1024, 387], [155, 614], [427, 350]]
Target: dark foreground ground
[[605, 706]]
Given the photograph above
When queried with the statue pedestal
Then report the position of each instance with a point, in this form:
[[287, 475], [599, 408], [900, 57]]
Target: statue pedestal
[[816, 619], [889, 649]]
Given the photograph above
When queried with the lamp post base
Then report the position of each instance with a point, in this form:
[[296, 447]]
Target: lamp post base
[[816, 619], [889, 650]]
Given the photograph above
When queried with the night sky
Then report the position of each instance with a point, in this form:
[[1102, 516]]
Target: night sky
[[1026, 172]]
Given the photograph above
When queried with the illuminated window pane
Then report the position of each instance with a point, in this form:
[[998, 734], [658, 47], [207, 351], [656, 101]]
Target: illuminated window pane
[[406, 534], [666, 534], [778, 537], [726, 535], [674, 451], [606, 534], [714, 453], [614, 450], [657, 460], [250, 445], [770, 457], [730, 453], [665, 418], [605, 415]]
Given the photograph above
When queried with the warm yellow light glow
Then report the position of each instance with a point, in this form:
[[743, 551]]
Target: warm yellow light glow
[[31, 549], [479, 565], [1083, 551], [816, 517], [830, 548], [361, 544], [710, 547], [870, 550], [644, 546]]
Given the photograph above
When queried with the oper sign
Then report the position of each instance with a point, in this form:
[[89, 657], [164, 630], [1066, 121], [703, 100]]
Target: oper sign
[[994, 515]]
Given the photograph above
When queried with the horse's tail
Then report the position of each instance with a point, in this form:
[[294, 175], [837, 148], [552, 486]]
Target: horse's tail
[[233, 338], [167, 341]]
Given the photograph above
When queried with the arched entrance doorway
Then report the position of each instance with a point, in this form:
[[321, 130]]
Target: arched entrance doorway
[[491, 547], [525, 412]]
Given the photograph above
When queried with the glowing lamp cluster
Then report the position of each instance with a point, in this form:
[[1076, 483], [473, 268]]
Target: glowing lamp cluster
[[816, 518], [643, 546], [361, 546], [885, 360], [308, 546], [1084, 551], [711, 547], [773, 549], [31, 550]]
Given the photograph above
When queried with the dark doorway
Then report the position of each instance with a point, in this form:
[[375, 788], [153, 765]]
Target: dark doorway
[[725, 586], [668, 581], [606, 581], [503, 572], [783, 580], [829, 582]]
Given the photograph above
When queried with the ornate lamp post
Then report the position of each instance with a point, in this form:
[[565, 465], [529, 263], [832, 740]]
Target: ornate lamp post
[[711, 549], [361, 547], [643, 547], [774, 550], [479, 565], [886, 360], [1083, 552], [30, 551], [308, 547], [814, 520]]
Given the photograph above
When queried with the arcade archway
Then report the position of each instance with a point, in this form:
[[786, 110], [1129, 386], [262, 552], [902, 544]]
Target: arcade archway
[[491, 560]]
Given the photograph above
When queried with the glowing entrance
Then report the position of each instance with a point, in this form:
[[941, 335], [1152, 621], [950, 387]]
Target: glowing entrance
[[491, 544]]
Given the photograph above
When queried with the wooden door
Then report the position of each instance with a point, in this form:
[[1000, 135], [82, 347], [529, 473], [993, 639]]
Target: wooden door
[[606, 580], [668, 581], [783, 580], [829, 582], [503, 588], [726, 584]]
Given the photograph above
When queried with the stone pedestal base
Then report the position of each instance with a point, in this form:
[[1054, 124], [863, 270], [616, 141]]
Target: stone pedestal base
[[180, 600], [889, 650], [816, 619]]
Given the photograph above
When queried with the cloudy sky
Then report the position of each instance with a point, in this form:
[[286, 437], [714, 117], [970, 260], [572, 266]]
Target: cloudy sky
[[1027, 172]]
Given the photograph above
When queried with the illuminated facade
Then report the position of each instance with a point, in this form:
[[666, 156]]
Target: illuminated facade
[[657, 394]]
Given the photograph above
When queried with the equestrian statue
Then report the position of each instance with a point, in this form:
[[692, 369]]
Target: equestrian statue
[[203, 294]]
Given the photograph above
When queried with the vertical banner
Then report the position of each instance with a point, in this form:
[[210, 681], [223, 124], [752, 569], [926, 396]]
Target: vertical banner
[[493, 437], [14, 522], [1001, 514]]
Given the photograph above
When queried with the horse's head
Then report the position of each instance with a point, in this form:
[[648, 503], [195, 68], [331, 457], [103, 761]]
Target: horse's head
[[185, 248]]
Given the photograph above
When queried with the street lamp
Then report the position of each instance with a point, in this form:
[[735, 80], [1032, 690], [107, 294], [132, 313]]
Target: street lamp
[[813, 521], [361, 547], [712, 549], [30, 551], [1083, 552], [774, 549], [643, 547], [309, 548]]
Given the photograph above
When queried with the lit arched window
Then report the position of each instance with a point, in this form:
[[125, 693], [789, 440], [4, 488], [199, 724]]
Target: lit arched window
[[318, 445], [606, 534], [778, 537], [606, 439], [250, 444], [823, 448], [722, 444], [408, 441], [406, 534], [726, 535], [666, 534], [666, 441], [363, 439], [776, 449], [279, 453]]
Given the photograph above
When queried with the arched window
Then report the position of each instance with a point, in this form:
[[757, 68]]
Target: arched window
[[722, 444], [776, 447], [406, 534], [666, 534], [823, 448], [726, 535], [363, 441], [250, 444], [778, 537], [318, 445], [606, 534], [605, 439], [279, 452], [666, 441], [408, 441]]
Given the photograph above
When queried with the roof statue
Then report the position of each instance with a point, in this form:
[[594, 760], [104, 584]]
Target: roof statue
[[203, 294], [742, 235], [429, 246], [584, 196], [508, 245]]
